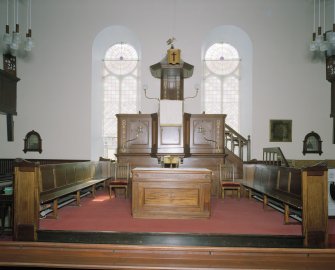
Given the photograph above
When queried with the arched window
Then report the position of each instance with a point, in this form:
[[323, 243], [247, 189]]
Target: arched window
[[221, 82], [120, 87]]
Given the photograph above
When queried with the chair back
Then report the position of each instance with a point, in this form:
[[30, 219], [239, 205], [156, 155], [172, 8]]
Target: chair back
[[227, 173], [121, 171]]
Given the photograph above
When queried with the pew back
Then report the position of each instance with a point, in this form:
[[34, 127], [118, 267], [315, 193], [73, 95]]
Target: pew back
[[57, 179], [303, 189], [37, 184]]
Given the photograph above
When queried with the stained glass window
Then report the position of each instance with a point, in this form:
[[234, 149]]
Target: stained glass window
[[221, 82], [120, 84]]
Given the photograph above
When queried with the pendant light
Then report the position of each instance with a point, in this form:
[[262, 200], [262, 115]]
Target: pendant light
[[29, 44], [16, 39], [7, 37]]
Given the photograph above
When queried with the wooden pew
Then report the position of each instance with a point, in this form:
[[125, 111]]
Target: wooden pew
[[37, 185], [303, 191], [59, 180]]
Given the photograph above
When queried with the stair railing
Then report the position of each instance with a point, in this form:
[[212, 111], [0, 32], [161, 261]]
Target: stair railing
[[274, 156], [236, 143]]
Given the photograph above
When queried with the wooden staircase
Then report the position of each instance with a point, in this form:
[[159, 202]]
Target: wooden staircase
[[237, 149]]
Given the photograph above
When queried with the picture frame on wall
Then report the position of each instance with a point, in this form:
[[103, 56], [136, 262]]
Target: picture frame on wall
[[32, 142], [312, 144], [280, 130]]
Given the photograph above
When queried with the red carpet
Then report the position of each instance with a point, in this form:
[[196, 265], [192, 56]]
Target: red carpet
[[229, 216]]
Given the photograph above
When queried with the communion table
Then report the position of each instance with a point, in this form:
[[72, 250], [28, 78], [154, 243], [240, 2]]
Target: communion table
[[171, 193]]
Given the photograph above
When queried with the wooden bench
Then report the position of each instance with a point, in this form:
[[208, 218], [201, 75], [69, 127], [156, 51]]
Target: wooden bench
[[278, 185], [37, 185], [303, 191], [59, 180]]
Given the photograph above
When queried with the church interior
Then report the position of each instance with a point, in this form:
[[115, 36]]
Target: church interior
[[155, 134]]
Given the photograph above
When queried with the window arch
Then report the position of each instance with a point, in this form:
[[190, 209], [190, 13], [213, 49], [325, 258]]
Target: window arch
[[240, 72], [120, 84], [221, 82], [111, 75]]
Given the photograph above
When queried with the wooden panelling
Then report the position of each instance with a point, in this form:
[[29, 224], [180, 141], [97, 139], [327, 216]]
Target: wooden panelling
[[108, 256], [26, 199], [315, 206], [135, 133], [206, 133]]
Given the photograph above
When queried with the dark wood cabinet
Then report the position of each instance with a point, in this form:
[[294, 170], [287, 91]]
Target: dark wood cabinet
[[8, 84]]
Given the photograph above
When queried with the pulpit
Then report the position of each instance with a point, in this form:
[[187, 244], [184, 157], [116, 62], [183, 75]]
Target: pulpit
[[195, 140]]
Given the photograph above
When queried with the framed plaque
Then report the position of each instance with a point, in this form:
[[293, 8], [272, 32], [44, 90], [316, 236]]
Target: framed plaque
[[32, 142], [280, 130], [312, 144]]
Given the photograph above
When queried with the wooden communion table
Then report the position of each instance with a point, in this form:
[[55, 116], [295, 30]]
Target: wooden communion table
[[172, 193]]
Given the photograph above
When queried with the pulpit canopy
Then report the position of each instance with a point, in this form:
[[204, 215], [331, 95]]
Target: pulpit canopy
[[183, 69]]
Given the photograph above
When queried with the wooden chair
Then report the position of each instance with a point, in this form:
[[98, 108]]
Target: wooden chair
[[120, 178], [227, 180]]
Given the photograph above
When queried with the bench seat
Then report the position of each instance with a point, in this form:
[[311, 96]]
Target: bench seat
[[286, 198], [280, 185], [50, 195], [59, 180]]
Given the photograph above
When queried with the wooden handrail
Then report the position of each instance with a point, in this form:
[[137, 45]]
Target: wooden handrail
[[236, 143], [274, 156]]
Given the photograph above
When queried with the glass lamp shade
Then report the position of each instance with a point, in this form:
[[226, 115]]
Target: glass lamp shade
[[15, 41], [331, 37], [323, 46], [313, 46], [29, 44], [319, 39], [7, 39]]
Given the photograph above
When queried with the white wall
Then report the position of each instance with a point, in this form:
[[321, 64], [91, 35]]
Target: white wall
[[54, 94]]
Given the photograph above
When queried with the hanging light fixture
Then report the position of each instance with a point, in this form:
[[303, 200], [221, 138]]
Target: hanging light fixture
[[323, 42], [14, 42], [16, 39], [29, 44], [318, 38], [330, 36], [6, 37]]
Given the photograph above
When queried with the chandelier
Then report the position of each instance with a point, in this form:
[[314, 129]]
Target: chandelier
[[14, 42], [323, 41]]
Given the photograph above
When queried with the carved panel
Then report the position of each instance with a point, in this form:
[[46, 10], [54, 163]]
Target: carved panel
[[134, 133], [203, 132], [206, 133], [139, 131]]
